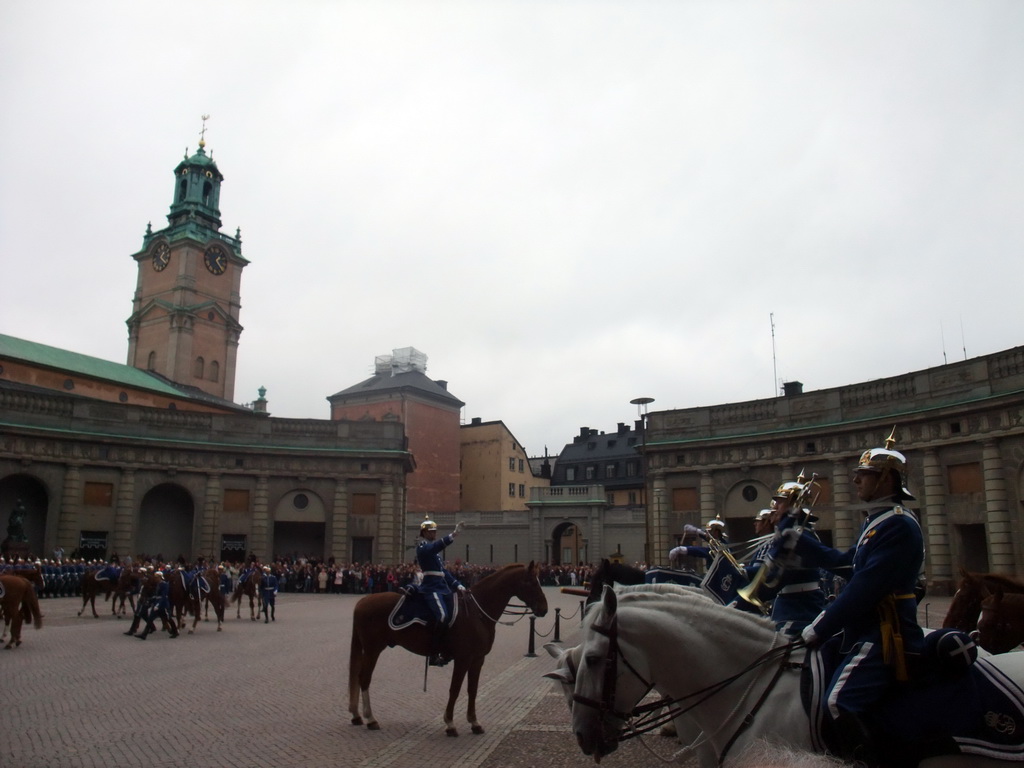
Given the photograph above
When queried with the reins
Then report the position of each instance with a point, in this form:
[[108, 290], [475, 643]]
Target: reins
[[642, 718]]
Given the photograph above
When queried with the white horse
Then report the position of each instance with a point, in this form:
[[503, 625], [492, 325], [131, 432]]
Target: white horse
[[697, 652]]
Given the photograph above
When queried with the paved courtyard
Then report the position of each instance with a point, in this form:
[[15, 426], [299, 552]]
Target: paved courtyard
[[80, 694]]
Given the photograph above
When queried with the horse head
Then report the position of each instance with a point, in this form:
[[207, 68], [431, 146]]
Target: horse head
[[1001, 624], [530, 592], [966, 604], [606, 691]]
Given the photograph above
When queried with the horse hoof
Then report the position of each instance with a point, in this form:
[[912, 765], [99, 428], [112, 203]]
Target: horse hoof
[[219, 628], [373, 726], [356, 720], [191, 631], [451, 732], [478, 729]]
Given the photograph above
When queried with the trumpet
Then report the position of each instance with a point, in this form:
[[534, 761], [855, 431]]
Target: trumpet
[[800, 511]]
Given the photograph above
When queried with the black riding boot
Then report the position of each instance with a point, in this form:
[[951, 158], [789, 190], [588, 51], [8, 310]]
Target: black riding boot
[[135, 626], [273, 612], [149, 628], [855, 741], [438, 658]]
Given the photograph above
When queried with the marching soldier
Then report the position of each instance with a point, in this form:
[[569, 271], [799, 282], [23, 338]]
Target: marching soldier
[[268, 590], [159, 607], [437, 583]]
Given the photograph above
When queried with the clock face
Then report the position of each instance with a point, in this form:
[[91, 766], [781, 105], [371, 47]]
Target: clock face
[[216, 260], [161, 257]]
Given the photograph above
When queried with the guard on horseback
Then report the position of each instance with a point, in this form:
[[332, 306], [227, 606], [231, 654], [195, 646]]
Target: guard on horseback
[[792, 589], [871, 627], [437, 584]]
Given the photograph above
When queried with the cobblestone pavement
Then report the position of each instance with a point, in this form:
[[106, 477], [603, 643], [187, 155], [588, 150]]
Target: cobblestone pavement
[[80, 694]]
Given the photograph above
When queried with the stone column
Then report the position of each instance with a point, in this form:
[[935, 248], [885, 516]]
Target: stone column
[[387, 529], [339, 523], [69, 521], [997, 514], [659, 537], [124, 516], [707, 498], [935, 521], [209, 526], [595, 538], [847, 520], [260, 520]]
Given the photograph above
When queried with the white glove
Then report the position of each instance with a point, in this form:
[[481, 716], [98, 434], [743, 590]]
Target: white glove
[[461, 588], [459, 526], [809, 635]]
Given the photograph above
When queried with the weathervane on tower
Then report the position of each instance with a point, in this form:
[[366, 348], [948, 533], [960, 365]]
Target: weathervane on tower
[[202, 133]]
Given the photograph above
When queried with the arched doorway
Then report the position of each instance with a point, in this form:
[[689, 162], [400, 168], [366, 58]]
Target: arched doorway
[[30, 492], [568, 544], [166, 522], [299, 526], [742, 503]]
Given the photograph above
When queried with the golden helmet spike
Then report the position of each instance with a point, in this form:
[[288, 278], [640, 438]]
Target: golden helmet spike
[[890, 441]]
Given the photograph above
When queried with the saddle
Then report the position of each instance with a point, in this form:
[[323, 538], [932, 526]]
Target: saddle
[[954, 704], [412, 609], [661, 575]]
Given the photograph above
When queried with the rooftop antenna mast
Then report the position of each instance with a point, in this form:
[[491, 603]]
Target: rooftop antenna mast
[[962, 341], [775, 371], [942, 334]]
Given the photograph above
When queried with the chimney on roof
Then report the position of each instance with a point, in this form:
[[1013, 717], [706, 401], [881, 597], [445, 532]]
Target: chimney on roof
[[476, 422], [622, 429], [442, 384], [792, 388]]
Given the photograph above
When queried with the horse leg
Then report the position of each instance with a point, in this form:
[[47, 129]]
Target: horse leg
[[16, 619], [366, 667], [458, 675], [472, 682]]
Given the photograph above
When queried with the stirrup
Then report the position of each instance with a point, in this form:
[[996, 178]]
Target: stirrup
[[437, 660]]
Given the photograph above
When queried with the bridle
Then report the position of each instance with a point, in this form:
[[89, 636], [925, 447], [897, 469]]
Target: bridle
[[644, 718]]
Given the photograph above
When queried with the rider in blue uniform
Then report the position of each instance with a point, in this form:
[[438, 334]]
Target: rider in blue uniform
[[793, 590], [872, 625], [268, 591], [438, 583]]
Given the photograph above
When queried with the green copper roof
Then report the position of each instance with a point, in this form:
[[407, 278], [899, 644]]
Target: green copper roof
[[72, 362]]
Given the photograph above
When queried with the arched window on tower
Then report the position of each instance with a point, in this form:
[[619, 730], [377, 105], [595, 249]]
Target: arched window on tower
[[214, 370], [151, 362], [206, 193], [182, 189], [200, 368]]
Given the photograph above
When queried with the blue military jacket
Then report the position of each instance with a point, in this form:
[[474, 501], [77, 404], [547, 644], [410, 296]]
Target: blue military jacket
[[886, 561], [435, 577]]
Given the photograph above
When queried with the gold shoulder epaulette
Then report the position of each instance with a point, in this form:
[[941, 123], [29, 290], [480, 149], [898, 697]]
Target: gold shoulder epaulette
[[898, 510]]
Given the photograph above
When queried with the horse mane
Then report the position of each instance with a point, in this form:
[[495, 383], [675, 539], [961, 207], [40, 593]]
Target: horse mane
[[699, 606], [499, 572]]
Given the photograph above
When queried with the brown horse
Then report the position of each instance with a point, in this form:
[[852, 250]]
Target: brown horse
[[467, 642], [125, 590], [91, 587], [19, 603], [1001, 626], [214, 597], [249, 588], [186, 601], [974, 588]]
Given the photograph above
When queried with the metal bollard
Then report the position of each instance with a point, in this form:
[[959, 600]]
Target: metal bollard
[[558, 620], [533, 646]]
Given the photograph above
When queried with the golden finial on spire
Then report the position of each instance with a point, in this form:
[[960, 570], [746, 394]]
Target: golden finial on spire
[[890, 441], [202, 133]]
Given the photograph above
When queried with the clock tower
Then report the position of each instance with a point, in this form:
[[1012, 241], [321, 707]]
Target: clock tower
[[184, 322]]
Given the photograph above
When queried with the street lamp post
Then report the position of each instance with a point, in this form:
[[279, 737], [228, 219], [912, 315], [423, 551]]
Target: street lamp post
[[641, 404]]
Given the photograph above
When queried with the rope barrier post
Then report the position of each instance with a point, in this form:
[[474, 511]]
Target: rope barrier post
[[582, 604], [533, 643], [558, 620]]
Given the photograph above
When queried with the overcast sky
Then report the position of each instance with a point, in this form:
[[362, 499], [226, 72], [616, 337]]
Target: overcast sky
[[565, 205]]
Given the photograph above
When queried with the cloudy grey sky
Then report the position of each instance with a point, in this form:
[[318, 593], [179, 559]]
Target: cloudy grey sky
[[565, 205]]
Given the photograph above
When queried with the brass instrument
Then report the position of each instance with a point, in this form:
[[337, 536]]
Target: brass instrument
[[719, 548], [749, 592]]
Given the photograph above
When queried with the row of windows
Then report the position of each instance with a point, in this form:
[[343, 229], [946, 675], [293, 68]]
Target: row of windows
[[609, 471], [512, 491], [200, 369], [512, 464]]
